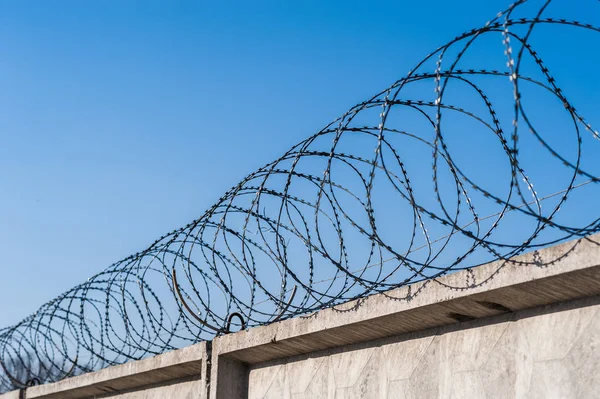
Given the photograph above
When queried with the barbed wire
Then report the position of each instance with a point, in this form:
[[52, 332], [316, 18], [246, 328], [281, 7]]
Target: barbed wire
[[352, 210]]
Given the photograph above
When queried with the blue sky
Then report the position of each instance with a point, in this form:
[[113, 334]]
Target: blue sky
[[122, 120]]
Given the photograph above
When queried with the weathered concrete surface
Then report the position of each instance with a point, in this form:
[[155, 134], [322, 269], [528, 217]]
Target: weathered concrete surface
[[530, 330], [177, 374], [10, 395], [191, 389], [547, 352]]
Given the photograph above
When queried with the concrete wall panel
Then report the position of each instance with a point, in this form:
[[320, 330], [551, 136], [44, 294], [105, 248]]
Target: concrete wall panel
[[544, 353], [180, 390]]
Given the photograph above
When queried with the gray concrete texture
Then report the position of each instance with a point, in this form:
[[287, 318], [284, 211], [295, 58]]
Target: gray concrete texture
[[530, 331], [553, 352], [192, 389]]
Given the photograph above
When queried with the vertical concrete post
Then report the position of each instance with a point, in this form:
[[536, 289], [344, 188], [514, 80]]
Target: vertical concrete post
[[229, 377]]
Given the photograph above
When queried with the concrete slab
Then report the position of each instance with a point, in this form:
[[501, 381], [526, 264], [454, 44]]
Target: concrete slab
[[548, 351], [182, 371], [10, 395]]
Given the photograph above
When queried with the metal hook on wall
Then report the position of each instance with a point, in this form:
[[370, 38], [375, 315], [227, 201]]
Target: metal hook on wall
[[227, 329], [32, 382], [230, 318]]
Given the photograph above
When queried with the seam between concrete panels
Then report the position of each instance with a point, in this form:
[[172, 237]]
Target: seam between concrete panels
[[207, 371]]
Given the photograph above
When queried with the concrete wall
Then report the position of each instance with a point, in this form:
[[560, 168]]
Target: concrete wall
[[187, 389], [527, 328], [549, 352], [177, 374]]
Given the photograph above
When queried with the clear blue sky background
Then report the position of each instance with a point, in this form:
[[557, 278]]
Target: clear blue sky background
[[122, 120]]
